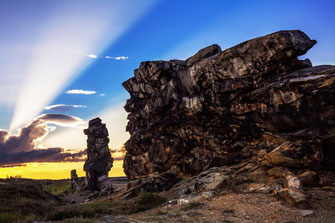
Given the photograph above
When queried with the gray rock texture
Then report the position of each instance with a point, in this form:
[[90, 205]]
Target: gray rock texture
[[99, 160]]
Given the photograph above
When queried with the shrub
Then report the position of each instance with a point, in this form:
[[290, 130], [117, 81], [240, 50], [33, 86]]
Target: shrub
[[148, 201], [192, 205]]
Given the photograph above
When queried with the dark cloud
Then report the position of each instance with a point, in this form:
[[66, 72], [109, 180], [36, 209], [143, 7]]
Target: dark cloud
[[60, 119], [116, 153], [21, 148], [121, 150], [39, 155], [12, 165], [25, 140], [118, 158], [15, 150]]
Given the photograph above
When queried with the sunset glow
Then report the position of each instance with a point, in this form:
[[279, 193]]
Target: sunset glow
[[54, 171]]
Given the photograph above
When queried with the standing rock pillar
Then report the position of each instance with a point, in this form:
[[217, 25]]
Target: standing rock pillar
[[74, 180], [99, 160]]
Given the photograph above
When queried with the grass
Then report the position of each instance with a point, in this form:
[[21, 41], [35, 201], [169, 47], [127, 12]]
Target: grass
[[148, 201], [152, 219], [85, 211], [10, 217], [78, 220], [58, 188], [161, 212], [192, 205], [23, 200], [228, 211], [97, 208]]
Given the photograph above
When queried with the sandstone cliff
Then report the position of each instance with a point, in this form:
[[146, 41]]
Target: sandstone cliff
[[255, 102]]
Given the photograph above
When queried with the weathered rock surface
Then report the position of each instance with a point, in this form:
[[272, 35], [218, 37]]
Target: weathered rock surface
[[292, 191], [254, 103], [74, 180], [99, 160]]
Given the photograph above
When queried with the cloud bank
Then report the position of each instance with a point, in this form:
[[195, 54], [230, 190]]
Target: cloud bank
[[21, 147]]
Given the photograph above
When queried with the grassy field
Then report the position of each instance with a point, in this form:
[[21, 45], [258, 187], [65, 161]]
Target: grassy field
[[23, 200], [58, 187]]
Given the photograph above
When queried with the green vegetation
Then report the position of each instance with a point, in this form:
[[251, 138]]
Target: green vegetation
[[99, 207], [148, 201], [24, 200], [192, 205], [78, 220], [161, 212], [89, 210], [10, 217], [153, 219], [59, 187], [228, 211]]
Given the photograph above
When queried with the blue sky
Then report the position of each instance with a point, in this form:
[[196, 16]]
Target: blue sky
[[45, 46]]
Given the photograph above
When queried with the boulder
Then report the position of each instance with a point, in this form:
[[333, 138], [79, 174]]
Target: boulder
[[292, 191], [105, 185], [212, 181]]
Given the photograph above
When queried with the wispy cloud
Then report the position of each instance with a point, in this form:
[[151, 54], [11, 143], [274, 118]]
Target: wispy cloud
[[63, 107], [107, 57], [77, 91], [92, 56], [102, 94], [121, 58]]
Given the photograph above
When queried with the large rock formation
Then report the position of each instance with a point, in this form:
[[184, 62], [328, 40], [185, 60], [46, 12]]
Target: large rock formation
[[254, 102], [99, 160]]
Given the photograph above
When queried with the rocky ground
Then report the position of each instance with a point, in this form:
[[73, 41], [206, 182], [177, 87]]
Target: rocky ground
[[247, 207], [241, 203]]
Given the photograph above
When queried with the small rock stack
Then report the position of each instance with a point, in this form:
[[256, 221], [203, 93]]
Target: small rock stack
[[99, 160]]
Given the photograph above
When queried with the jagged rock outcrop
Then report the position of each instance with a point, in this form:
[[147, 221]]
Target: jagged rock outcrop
[[255, 102], [99, 160]]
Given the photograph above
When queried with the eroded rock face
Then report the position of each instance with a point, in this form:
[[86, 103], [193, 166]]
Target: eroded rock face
[[99, 160], [255, 101]]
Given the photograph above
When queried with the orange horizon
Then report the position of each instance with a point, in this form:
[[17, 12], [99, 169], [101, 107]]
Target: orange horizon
[[54, 170]]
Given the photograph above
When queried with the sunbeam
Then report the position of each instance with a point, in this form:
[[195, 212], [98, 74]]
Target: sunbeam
[[70, 32]]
